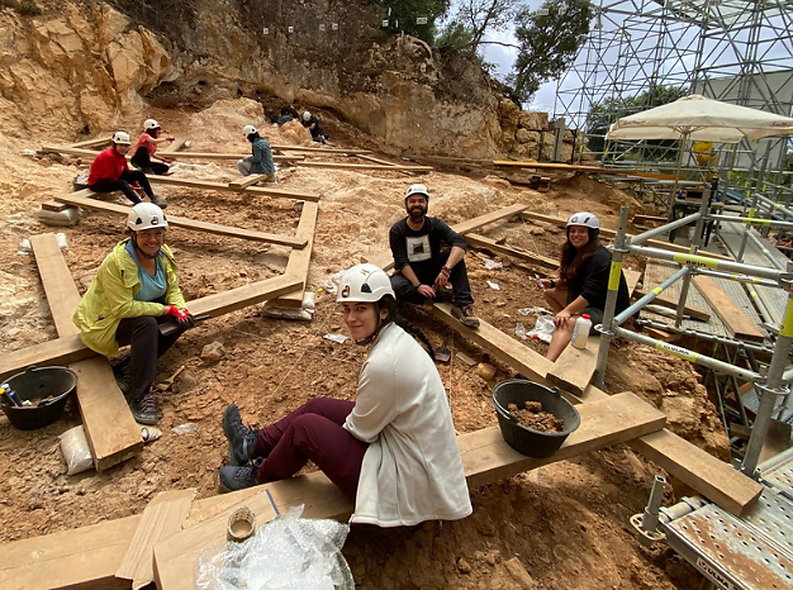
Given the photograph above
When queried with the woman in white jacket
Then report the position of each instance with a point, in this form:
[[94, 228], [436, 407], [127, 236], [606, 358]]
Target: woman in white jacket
[[393, 450]]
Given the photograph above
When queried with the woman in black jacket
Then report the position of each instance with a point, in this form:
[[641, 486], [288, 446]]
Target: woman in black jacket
[[582, 283]]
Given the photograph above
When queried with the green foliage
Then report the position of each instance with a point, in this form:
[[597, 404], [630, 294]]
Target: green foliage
[[474, 18], [405, 12], [604, 113], [549, 39]]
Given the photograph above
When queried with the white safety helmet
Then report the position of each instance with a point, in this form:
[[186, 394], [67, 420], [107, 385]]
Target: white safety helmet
[[150, 124], [417, 189], [146, 216], [121, 137], [306, 115], [584, 218], [364, 283], [248, 130]]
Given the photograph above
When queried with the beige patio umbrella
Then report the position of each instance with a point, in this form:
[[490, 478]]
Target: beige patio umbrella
[[696, 118]]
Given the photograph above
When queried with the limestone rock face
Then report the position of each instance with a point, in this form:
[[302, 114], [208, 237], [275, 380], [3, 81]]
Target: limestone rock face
[[94, 69]]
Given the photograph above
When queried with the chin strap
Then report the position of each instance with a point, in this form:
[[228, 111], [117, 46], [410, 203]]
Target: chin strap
[[141, 252], [370, 338]]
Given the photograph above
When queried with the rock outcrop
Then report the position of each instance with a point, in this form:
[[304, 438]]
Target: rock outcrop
[[89, 67]]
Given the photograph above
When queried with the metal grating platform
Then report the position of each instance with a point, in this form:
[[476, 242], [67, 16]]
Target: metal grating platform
[[781, 479], [747, 554]]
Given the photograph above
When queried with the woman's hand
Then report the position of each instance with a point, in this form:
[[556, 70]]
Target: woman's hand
[[561, 319], [184, 319]]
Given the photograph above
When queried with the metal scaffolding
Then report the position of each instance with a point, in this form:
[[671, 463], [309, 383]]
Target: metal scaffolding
[[740, 52]]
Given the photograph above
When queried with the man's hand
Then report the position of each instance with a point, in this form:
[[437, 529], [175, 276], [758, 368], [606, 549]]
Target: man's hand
[[441, 281], [426, 291]]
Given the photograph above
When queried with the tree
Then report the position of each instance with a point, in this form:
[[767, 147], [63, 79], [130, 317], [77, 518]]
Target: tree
[[403, 15], [474, 18], [549, 39], [602, 114]]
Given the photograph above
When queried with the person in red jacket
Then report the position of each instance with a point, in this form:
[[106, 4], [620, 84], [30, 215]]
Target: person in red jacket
[[109, 172]]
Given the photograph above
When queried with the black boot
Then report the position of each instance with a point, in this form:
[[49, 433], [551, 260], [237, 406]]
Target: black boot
[[144, 410], [234, 478], [242, 439]]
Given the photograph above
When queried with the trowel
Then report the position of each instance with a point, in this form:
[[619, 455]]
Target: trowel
[[442, 353]]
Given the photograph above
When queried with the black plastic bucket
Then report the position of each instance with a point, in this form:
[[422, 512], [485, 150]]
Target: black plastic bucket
[[53, 385], [528, 441]]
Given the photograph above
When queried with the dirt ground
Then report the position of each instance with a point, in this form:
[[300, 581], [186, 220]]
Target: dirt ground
[[566, 523]]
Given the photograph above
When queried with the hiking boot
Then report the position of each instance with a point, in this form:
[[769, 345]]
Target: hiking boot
[[144, 410], [465, 314], [234, 478], [242, 439], [161, 203], [122, 376]]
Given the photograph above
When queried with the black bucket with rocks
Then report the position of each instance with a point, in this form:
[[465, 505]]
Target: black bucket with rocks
[[46, 388], [531, 442]]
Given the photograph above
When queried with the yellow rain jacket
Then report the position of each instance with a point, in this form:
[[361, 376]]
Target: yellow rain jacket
[[110, 298]]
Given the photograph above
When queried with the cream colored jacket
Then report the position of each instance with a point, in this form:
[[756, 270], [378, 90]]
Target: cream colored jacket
[[412, 470]]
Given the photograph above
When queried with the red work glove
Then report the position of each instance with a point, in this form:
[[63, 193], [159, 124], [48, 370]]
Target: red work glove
[[171, 138], [184, 318], [165, 160]]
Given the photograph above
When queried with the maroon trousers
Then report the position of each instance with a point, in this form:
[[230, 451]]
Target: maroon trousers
[[312, 432]]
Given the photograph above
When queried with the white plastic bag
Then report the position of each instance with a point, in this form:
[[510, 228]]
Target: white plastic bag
[[76, 451], [288, 552], [543, 329]]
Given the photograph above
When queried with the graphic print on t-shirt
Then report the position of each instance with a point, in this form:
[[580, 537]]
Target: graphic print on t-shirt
[[419, 248]]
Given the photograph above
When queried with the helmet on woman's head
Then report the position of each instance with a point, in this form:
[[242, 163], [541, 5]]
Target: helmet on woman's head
[[145, 216], [306, 115], [121, 137], [248, 130], [417, 189], [364, 283], [150, 124], [585, 219]]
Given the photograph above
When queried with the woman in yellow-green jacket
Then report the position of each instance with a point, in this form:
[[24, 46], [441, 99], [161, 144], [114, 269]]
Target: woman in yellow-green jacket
[[135, 290]]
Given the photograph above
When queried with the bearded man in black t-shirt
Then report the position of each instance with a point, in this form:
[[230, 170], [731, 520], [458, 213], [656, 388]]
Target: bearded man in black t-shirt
[[429, 258]]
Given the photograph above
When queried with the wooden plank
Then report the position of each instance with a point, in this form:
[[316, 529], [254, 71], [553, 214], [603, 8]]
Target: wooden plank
[[161, 519], [346, 166], [112, 433], [574, 368], [86, 557], [54, 206], [175, 558], [733, 318], [219, 186], [249, 180], [386, 261], [90, 143], [697, 313], [374, 160], [110, 428], [300, 260], [618, 418], [213, 228], [610, 233], [505, 348], [228, 301], [318, 150], [480, 241], [61, 351], [631, 279], [716, 480], [581, 168], [56, 278], [488, 218], [173, 148]]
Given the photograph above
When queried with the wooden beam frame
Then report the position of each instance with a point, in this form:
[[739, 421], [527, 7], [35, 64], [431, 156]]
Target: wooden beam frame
[[213, 228], [300, 260], [219, 186]]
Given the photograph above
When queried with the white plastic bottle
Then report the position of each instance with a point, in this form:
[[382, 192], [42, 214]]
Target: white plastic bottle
[[581, 331]]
